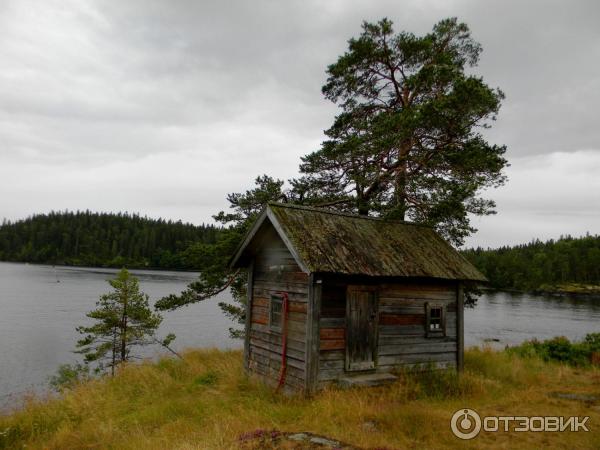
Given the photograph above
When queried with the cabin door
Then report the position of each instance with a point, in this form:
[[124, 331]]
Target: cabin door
[[361, 327]]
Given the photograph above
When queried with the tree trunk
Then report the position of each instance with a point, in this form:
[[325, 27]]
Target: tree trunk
[[124, 327], [400, 183], [362, 207], [114, 353]]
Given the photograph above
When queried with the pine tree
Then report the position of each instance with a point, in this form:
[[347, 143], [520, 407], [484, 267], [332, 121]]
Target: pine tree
[[123, 320], [407, 142]]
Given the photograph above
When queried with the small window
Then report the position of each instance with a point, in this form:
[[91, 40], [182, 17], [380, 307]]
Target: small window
[[435, 324], [276, 312]]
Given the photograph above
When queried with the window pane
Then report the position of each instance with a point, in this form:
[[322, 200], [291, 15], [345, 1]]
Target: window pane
[[435, 318], [276, 311]]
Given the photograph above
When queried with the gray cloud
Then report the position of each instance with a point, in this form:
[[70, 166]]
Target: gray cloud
[[164, 107]]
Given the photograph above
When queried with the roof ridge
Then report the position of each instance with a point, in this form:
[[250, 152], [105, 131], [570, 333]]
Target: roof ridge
[[345, 214]]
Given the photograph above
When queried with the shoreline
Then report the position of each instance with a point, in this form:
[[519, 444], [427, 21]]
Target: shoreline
[[77, 266], [557, 292]]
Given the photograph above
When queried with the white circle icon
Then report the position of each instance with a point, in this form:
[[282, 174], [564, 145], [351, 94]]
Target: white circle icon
[[465, 424]]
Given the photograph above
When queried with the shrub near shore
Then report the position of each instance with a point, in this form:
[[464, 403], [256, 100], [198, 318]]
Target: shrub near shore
[[204, 401]]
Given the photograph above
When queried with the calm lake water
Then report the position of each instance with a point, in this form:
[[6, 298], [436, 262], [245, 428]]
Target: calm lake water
[[38, 317]]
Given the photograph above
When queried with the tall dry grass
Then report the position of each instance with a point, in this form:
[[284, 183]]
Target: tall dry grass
[[206, 402]]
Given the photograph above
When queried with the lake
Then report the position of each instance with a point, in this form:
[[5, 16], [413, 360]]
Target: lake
[[38, 317]]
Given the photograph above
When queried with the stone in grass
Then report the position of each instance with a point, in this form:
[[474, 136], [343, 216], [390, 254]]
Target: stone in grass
[[323, 441], [272, 439], [297, 437]]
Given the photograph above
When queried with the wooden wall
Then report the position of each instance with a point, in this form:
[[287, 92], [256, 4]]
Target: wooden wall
[[402, 340], [401, 331], [276, 271]]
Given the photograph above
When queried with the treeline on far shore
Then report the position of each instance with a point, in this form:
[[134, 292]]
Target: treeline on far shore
[[546, 266], [85, 238]]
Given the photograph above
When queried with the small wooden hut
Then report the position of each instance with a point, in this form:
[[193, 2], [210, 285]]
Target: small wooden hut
[[335, 297]]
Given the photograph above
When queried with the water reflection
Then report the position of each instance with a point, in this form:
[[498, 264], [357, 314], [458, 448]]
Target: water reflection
[[511, 318]]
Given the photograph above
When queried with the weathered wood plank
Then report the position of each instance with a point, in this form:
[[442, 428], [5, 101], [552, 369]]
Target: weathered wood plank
[[401, 330], [282, 286], [334, 364], [277, 349], [297, 331], [266, 292], [332, 322], [401, 319], [394, 340], [276, 338], [261, 301], [270, 369], [296, 328], [291, 361], [277, 276], [333, 344], [297, 307], [332, 333], [272, 373], [260, 320], [416, 358], [412, 330], [330, 374], [330, 355], [403, 308], [312, 332], [408, 302], [248, 319], [413, 366], [460, 330], [421, 348]]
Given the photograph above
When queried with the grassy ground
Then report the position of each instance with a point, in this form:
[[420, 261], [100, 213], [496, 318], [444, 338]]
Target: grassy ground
[[206, 402]]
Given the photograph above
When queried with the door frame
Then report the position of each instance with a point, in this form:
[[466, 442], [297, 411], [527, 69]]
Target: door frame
[[375, 292]]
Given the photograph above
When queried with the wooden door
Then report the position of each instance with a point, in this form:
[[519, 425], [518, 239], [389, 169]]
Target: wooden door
[[361, 327]]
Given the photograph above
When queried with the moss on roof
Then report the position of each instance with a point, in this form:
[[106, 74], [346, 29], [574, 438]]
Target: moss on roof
[[331, 242]]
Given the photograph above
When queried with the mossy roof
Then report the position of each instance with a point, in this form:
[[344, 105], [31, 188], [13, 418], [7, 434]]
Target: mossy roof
[[325, 241]]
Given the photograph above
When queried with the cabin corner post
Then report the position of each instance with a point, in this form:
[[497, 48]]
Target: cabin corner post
[[312, 333], [460, 327], [248, 319]]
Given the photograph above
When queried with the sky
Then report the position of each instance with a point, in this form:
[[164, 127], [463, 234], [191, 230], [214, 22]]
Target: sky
[[162, 108]]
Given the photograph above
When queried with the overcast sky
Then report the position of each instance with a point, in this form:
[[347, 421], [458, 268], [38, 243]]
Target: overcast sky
[[162, 108]]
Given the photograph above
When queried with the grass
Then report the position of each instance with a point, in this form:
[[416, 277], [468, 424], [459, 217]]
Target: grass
[[205, 402]]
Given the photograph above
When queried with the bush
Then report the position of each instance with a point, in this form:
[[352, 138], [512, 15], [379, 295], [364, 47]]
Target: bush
[[68, 375], [560, 349]]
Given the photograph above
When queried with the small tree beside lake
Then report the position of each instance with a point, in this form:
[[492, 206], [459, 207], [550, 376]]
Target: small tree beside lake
[[123, 320]]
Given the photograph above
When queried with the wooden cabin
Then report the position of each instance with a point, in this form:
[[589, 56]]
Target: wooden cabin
[[340, 298]]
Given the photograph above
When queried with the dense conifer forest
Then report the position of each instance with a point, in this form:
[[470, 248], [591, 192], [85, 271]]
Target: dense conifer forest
[[85, 238], [531, 266]]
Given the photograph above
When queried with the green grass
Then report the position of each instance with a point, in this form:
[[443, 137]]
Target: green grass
[[206, 402]]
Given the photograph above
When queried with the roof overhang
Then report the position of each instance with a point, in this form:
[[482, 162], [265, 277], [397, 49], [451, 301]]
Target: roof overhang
[[266, 214]]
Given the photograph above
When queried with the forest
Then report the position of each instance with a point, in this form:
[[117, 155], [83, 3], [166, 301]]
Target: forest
[[85, 238], [531, 266]]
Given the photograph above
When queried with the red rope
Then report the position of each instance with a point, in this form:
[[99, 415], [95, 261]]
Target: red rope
[[282, 370]]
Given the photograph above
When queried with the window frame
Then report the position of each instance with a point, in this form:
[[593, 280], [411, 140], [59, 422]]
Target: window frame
[[435, 332], [274, 300]]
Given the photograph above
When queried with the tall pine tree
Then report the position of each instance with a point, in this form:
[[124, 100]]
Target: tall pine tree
[[407, 143]]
